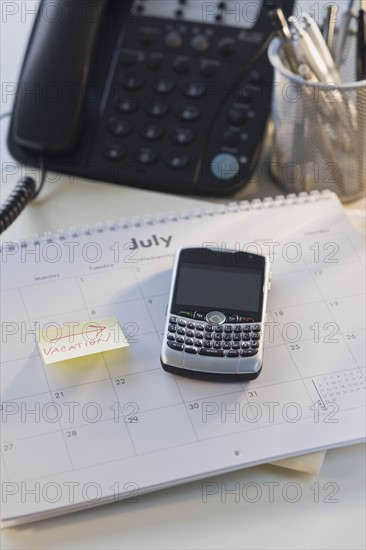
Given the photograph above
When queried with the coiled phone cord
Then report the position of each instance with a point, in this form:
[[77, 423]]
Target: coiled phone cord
[[24, 192]]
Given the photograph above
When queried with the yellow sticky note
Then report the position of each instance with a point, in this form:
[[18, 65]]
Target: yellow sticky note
[[71, 340]]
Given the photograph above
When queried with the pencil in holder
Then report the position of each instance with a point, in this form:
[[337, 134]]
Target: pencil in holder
[[319, 139]]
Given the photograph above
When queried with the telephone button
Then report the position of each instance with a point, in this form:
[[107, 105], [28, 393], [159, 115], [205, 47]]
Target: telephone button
[[250, 93], [148, 36], [163, 85], [154, 60], [127, 104], [175, 345], [188, 112], [232, 353], [173, 40], [208, 69], [226, 46], [182, 136], [200, 43], [120, 127], [215, 317], [254, 345], [152, 132], [248, 352], [171, 337], [181, 64], [115, 151], [145, 155], [225, 167], [256, 328], [211, 352], [232, 319], [194, 89], [176, 159], [200, 317], [157, 108], [236, 117], [132, 82], [185, 313], [190, 350]]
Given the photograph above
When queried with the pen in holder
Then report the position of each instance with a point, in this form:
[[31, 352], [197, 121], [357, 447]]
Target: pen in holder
[[319, 129]]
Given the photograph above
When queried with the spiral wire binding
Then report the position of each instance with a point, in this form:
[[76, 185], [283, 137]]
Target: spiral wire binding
[[149, 220]]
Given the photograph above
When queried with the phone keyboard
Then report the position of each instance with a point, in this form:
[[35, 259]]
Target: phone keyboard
[[183, 114], [228, 340]]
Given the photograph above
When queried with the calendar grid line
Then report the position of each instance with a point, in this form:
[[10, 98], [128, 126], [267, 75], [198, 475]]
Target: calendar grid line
[[158, 332], [47, 381], [112, 378], [109, 375]]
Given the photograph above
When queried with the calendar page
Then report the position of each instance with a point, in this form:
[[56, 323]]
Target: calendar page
[[108, 426]]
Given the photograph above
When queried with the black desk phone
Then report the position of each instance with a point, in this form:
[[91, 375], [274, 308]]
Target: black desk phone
[[160, 94]]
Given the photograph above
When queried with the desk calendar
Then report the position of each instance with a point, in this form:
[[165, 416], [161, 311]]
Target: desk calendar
[[109, 426]]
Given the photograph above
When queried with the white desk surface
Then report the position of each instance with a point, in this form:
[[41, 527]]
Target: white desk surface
[[330, 510]]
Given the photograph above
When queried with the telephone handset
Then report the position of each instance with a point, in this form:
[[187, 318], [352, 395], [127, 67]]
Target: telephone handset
[[160, 94]]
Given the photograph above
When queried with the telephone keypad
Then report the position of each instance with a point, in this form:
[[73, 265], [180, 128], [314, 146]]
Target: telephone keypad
[[233, 339]]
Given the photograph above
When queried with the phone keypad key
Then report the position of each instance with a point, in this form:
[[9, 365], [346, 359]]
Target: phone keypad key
[[198, 343], [207, 344], [182, 136], [182, 323], [120, 127], [176, 346], [127, 104], [176, 159], [199, 335], [190, 350], [200, 327], [173, 320], [157, 108], [228, 329], [146, 155], [237, 337], [115, 151], [217, 345], [190, 333], [218, 337], [152, 132], [256, 328], [208, 336], [172, 328], [235, 345], [248, 352], [188, 112], [227, 338], [171, 337], [179, 339], [132, 82], [219, 329], [181, 331], [209, 328], [181, 64], [189, 341], [232, 353], [163, 85], [211, 352], [191, 325], [254, 345], [255, 336]]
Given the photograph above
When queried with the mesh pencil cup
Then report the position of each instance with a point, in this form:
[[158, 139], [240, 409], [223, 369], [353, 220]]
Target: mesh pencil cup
[[319, 131]]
